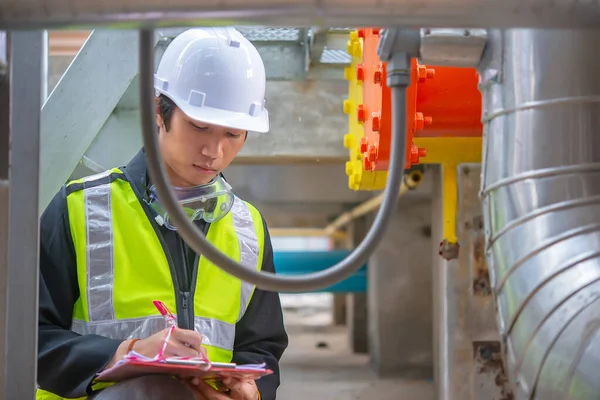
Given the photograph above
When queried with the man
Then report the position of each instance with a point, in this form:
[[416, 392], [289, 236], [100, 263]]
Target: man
[[108, 249]]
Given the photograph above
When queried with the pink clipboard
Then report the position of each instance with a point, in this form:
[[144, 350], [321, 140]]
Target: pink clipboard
[[132, 367], [135, 364]]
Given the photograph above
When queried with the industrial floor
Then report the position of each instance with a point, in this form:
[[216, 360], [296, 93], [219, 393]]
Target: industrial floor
[[318, 364]]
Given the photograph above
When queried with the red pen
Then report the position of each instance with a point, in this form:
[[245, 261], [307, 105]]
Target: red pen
[[169, 318], [165, 312], [171, 322]]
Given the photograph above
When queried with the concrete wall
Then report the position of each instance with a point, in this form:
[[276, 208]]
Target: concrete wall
[[400, 294], [357, 315]]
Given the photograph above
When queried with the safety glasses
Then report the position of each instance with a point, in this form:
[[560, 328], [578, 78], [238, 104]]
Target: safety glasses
[[210, 202]]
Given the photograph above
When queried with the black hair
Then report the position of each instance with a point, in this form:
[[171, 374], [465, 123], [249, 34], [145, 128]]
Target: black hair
[[166, 106]]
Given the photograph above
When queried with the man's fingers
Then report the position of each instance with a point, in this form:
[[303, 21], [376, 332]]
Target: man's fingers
[[227, 381], [178, 349], [203, 352], [196, 381], [194, 339], [198, 395], [209, 392], [243, 389], [217, 382]]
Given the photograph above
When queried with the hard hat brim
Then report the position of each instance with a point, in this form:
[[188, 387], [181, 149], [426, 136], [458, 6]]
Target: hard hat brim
[[228, 119]]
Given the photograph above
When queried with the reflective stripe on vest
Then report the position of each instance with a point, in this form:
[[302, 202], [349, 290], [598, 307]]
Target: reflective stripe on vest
[[214, 332]]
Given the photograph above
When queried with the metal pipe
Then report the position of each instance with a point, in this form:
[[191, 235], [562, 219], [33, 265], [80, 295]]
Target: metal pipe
[[4, 195], [398, 80], [541, 195], [3, 55], [37, 14]]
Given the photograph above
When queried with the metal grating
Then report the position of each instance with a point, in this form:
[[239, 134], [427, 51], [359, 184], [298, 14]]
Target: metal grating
[[334, 57], [271, 34]]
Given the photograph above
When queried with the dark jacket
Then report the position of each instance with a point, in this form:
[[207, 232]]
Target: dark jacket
[[67, 361]]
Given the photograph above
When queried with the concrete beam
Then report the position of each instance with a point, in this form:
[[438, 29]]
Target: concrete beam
[[308, 183], [284, 184], [307, 124], [400, 295], [357, 303]]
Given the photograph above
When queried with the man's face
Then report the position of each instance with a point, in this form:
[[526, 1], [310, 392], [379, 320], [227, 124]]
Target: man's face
[[195, 152]]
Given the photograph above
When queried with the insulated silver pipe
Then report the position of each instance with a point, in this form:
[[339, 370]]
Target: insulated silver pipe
[[43, 14], [196, 239], [541, 195]]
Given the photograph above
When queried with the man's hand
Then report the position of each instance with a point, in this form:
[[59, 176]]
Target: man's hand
[[182, 343], [238, 390]]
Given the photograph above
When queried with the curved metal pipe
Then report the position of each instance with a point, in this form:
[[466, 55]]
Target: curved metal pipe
[[196, 239], [541, 195]]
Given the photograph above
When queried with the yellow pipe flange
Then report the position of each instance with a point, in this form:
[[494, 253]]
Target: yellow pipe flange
[[450, 152], [358, 177]]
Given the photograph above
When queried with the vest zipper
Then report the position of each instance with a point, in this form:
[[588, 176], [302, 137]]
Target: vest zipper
[[185, 312], [181, 312], [182, 322], [179, 299]]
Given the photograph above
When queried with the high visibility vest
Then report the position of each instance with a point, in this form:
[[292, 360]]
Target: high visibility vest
[[122, 268]]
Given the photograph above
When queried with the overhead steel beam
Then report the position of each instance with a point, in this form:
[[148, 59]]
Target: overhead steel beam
[[81, 102], [410, 13], [20, 237]]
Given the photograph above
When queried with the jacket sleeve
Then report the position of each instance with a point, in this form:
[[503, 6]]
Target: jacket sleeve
[[260, 334], [67, 361]]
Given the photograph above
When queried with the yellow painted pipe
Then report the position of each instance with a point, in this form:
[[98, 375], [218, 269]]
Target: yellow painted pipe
[[450, 152]]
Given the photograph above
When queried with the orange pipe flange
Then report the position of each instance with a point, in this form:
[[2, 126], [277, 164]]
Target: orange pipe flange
[[441, 102], [451, 100]]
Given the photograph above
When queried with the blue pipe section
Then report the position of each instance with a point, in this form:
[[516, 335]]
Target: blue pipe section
[[304, 262]]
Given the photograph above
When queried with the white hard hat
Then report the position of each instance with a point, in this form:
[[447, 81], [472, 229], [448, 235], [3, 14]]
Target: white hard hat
[[216, 76]]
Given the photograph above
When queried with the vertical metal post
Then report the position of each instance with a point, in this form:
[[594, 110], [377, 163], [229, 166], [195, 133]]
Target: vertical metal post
[[21, 300], [443, 302], [4, 150]]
